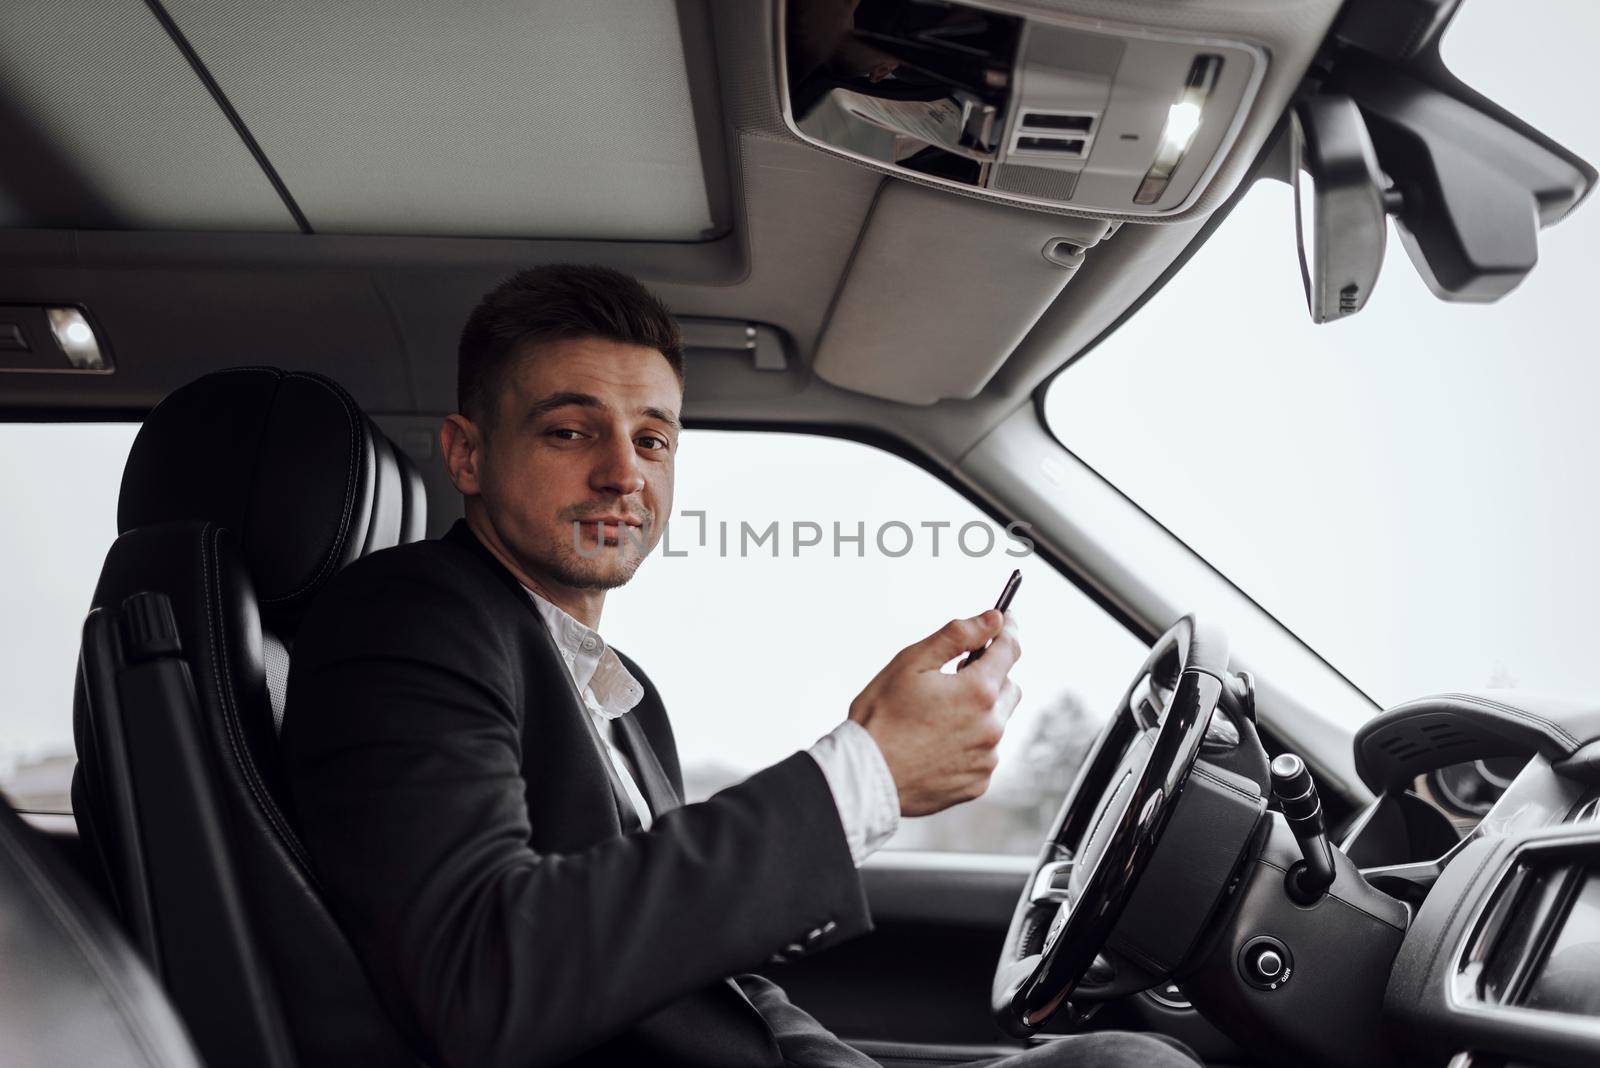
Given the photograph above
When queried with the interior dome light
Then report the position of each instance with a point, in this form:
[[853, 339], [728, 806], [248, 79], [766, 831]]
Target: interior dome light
[[76, 338], [1183, 122], [1183, 119]]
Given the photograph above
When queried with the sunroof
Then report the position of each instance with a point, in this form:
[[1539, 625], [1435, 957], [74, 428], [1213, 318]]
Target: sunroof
[[503, 118], [105, 126], [495, 119]]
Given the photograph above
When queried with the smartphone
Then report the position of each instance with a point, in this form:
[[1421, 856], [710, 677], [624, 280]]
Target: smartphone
[[1006, 594]]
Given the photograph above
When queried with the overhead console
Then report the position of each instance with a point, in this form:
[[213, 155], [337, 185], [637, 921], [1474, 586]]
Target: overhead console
[[1037, 108]]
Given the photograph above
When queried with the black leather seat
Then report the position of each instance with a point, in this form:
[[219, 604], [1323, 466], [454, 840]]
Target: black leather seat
[[245, 491], [72, 991]]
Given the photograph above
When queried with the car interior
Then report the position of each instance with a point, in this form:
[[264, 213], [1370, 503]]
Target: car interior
[[256, 231]]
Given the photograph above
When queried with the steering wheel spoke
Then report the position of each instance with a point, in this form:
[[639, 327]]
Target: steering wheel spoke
[[1051, 883]]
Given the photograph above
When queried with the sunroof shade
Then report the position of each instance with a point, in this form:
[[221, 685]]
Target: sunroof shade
[[104, 125], [504, 118]]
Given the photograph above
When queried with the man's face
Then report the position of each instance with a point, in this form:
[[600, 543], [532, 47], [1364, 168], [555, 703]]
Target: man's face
[[576, 470]]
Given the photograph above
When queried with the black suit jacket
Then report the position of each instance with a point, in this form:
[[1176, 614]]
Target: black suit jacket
[[449, 786]]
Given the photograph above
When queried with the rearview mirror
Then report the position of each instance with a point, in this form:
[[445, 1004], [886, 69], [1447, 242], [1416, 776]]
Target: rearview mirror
[[1476, 183], [1340, 205]]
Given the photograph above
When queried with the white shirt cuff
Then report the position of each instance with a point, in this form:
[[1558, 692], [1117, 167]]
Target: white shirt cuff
[[863, 789]]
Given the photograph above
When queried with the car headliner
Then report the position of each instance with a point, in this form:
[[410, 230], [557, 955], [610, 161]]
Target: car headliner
[[136, 199], [109, 204]]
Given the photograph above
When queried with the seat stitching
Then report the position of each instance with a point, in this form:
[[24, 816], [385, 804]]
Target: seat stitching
[[84, 943], [235, 734], [242, 370], [230, 712], [349, 491], [350, 468], [330, 559], [220, 666], [1218, 780], [1555, 728]]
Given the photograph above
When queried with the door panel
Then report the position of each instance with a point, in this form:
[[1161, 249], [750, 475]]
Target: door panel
[[916, 990]]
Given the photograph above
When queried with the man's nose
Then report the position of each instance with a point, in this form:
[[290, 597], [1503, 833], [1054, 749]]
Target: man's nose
[[618, 470]]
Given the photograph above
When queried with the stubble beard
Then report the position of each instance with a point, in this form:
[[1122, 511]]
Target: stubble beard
[[605, 567]]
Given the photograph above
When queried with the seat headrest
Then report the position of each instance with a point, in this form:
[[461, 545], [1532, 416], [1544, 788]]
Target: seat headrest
[[289, 463]]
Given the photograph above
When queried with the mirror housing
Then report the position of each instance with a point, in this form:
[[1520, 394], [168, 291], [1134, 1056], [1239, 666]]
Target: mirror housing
[[1340, 205], [1475, 189]]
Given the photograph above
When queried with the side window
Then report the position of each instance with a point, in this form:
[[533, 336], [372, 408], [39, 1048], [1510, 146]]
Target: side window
[[795, 566], [58, 485]]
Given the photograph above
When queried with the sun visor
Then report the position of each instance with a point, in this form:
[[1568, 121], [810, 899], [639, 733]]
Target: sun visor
[[941, 289]]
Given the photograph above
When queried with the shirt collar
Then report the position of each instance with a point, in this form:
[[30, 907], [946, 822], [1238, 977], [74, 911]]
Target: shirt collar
[[593, 664]]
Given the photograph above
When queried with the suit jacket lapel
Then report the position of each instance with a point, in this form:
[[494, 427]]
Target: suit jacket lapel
[[627, 818], [657, 788]]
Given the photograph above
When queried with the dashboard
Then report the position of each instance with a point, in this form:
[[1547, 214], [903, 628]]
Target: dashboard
[[1486, 826], [1466, 792], [1432, 814]]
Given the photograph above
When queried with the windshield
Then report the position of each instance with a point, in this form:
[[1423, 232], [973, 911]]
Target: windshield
[[1413, 490]]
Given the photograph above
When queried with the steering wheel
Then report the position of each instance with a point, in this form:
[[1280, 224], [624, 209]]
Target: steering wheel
[[1107, 831]]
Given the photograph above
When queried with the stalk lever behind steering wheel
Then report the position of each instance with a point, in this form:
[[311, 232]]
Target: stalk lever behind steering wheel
[[1296, 794]]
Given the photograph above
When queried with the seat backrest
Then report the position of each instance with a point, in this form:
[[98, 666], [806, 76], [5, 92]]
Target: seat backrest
[[244, 493], [72, 991]]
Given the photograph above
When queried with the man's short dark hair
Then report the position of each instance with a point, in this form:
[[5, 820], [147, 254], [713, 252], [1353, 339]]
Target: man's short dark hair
[[550, 303]]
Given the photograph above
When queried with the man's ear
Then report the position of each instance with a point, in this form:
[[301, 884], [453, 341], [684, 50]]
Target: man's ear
[[462, 444]]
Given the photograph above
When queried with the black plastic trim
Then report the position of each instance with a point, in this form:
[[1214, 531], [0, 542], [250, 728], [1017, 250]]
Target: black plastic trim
[[954, 895], [22, 414], [715, 135]]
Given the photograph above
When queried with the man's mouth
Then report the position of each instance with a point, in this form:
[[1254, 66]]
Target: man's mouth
[[613, 520], [610, 530]]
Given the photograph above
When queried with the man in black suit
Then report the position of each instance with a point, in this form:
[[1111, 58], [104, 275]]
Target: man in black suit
[[491, 794]]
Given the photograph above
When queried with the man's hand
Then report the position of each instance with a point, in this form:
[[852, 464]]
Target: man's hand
[[938, 731]]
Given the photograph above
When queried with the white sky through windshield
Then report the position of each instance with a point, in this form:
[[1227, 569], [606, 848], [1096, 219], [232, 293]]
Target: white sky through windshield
[[1413, 490]]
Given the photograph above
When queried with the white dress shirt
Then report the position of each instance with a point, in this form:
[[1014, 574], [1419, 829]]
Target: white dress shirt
[[862, 787]]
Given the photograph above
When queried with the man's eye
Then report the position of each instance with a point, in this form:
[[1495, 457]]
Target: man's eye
[[650, 441], [565, 433]]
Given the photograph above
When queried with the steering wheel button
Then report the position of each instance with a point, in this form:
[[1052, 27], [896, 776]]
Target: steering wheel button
[[1268, 964]]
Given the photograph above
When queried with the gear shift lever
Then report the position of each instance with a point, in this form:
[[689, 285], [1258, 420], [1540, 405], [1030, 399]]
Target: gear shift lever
[[1297, 796]]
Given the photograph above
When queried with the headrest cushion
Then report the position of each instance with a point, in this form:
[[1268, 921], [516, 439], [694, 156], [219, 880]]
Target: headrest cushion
[[284, 459]]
